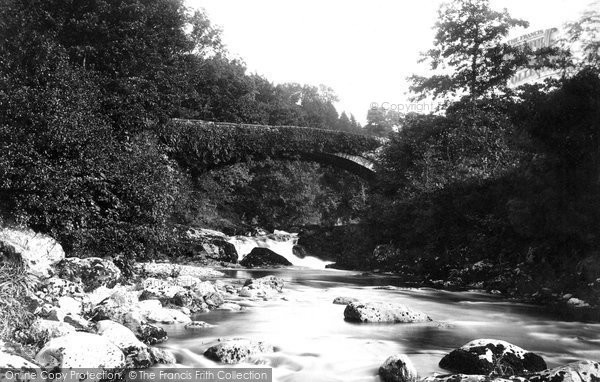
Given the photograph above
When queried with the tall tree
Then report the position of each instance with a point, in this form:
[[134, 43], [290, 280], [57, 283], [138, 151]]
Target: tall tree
[[470, 52]]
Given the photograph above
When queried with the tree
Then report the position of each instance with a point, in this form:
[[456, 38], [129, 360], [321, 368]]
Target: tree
[[469, 48], [584, 34], [64, 167], [139, 50], [381, 122], [222, 91], [355, 125]]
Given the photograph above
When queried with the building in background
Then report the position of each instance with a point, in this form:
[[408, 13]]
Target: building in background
[[539, 39]]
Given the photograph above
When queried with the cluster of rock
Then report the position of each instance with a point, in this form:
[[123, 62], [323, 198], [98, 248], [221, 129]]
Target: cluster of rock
[[481, 360], [87, 316], [204, 245], [487, 360]]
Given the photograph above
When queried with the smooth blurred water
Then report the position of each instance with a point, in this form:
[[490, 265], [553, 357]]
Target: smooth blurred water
[[314, 343]]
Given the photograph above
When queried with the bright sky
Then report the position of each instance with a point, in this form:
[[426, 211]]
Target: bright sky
[[363, 49]]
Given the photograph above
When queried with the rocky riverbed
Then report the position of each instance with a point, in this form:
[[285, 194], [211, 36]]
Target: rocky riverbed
[[86, 314]]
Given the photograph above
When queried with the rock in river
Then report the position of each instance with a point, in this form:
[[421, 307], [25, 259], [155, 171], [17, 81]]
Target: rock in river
[[151, 334], [262, 287], [382, 312], [398, 368], [196, 325], [344, 300], [263, 257], [482, 356], [236, 350]]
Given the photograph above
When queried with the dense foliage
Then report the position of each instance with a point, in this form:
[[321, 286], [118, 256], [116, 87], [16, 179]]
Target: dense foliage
[[502, 181], [86, 92], [498, 192]]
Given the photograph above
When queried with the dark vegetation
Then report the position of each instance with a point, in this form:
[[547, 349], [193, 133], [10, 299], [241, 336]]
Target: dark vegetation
[[498, 189], [502, 191], [87, 89]]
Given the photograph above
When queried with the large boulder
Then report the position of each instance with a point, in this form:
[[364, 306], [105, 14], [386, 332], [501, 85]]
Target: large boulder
[[398, 368], [137, 354], [39, 253], [81, 350], [92, 272], [263, 257], [382, 312], [299, 251], [581, 371], [262, 287], [484, 356], [237, 350]]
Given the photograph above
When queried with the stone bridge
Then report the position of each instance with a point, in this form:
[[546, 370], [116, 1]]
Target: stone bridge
[[202, 146]]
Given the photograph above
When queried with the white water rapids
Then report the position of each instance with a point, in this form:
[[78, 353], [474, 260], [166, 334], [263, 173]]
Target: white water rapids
[[279, 242]]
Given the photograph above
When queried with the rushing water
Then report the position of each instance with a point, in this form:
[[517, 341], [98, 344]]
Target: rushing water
[[314, 343], [283, 246]]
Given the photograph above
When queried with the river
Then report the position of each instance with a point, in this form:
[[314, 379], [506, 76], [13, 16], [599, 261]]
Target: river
[[314, 343]]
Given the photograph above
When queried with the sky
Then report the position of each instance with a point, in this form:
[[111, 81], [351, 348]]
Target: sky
[[364, 50]]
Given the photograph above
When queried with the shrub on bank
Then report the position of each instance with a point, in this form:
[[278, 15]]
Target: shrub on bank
[[16, 288]]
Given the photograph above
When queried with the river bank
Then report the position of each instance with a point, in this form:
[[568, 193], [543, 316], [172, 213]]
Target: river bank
[[284, 318], [574, 294]]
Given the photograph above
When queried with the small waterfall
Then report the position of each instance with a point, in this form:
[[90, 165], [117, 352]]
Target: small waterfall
[[279, 242]]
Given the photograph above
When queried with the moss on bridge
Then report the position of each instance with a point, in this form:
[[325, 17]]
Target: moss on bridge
[[201, 146]]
